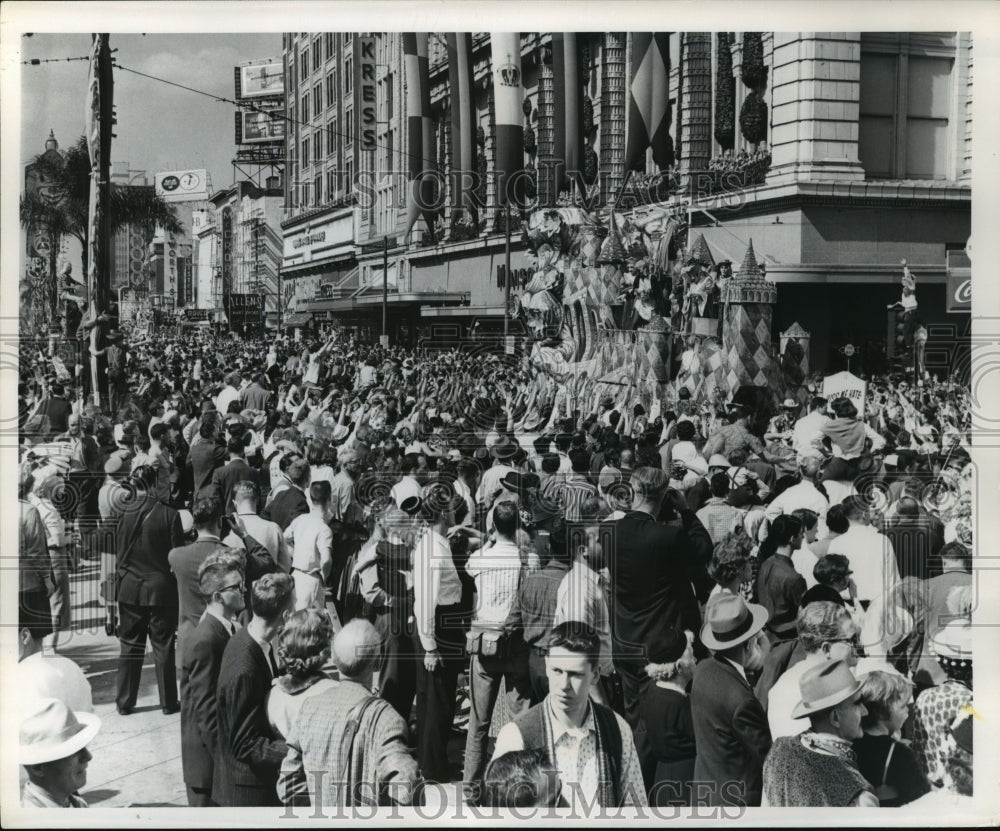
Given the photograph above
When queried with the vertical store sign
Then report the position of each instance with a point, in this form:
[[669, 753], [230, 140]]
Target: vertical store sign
[[227, 252], [366, 87]]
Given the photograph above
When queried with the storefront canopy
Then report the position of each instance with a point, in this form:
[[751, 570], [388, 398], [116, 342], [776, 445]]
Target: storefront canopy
[[296, 319]]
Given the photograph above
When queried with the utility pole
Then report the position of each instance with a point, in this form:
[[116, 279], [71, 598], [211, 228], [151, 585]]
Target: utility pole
[[385, 293], [506, 278]]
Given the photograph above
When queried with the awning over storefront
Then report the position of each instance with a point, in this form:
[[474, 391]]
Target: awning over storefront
[[461, 311], [374, 300], [296, 319]]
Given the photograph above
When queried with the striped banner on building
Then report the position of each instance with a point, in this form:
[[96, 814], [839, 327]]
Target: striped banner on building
[[463, 122], [567, 99], [420, 135], [649, 101], [508, 93]]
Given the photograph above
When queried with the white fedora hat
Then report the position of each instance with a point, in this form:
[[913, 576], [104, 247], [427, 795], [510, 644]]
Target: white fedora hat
[[54, 732]]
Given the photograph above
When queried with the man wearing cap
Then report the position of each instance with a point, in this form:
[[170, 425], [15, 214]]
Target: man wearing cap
[[701, 491], [489, 486], [734, 436], [53, 752], [818, 768], [730, 728], [779, 428]]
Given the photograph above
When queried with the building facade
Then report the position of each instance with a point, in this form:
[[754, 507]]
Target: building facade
[[861, 158]]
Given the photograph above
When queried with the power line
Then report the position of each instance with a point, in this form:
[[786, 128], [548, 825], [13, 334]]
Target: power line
[[270, 113], [38, 61]]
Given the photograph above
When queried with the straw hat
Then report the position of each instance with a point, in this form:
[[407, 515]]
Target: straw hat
[[825, 686], [730, 620], [54, 732]]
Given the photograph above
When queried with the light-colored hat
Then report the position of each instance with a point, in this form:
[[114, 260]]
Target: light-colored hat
[[718, 460], [340, 432], [790, 404], [54, 732], [115, 465], [730, 620], [954, 641], [825, 686]]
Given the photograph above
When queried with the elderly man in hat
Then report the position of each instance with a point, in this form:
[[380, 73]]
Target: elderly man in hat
[[730, 727], [53, 752], [818, 768], [503, 453]]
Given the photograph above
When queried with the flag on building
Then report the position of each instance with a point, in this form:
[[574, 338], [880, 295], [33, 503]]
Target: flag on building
[[508, 94], [567, 99], [419, 128], [463, 122], [649, 101]]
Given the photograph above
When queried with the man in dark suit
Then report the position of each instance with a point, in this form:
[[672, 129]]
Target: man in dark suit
[[237, 469], [652, 570], [205, 456], [255, 561], [221, 584], [288, 502], [917, 538], [730, 727], [250, 753], [147, 592]]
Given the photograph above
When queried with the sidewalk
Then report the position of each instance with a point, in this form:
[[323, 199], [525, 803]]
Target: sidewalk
[[137, 758]]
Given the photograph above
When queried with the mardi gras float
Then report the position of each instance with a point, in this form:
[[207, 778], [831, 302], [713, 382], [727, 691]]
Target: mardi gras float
[[615, 307]]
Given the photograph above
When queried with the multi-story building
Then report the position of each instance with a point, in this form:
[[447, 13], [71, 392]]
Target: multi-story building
[[864, 161], [243, 255], [129, 246]]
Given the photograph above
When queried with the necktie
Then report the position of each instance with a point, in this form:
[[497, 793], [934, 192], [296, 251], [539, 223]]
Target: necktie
[[271, 663]]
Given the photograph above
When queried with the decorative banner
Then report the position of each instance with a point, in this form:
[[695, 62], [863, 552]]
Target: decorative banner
[[366, 86], [567, 95], [463, 122], [649, 101], [92, 130], [260, 79], [846, 385], [508, 93], [419, 128]]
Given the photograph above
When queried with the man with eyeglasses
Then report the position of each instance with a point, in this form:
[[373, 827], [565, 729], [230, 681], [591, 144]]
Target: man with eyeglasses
[[826, 632], [220, 579]]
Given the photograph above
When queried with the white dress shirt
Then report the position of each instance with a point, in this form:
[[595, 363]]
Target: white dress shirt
[[872, 559], [435, 583], [497, 572]]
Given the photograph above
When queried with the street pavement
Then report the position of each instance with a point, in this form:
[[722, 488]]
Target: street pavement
[[137, 758]]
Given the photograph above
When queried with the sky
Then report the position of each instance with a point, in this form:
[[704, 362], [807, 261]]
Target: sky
[[159, 127]]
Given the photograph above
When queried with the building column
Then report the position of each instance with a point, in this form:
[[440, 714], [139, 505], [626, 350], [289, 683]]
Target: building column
[[612, 123], [815, 81], [545, 130], [696, 101]]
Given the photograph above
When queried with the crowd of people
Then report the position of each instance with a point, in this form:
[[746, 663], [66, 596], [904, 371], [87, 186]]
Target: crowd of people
[[328, 544]]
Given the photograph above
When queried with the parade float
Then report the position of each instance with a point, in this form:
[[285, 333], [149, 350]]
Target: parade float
[[616, 307]]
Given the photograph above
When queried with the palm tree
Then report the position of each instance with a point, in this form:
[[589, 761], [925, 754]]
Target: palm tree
[[66, 209]]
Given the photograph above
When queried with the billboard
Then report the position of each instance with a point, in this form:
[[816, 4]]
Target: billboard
[[260, 79], [262, 127], [182, 185]]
